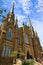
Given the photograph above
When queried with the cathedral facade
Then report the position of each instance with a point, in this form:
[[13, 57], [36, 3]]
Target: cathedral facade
[[21, 39]]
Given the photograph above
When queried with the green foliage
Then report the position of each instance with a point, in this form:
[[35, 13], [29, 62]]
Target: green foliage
[[3, 16], [31, 62], [1, 11], [13, 53], [5, 10], [22, 54], [27, 62]]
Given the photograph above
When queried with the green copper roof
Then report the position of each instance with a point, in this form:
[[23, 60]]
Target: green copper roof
[[20, 28], [26, 26]]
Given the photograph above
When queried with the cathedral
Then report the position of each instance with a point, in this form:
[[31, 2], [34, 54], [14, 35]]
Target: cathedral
[[22, 39]]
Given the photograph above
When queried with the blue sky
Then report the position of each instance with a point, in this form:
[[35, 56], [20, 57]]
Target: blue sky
[[23, 9]]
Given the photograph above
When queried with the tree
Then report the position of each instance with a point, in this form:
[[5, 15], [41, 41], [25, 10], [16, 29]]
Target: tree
[[1, 11]]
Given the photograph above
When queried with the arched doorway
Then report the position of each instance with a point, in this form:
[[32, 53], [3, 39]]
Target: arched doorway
[[29, 56], [18, 54]]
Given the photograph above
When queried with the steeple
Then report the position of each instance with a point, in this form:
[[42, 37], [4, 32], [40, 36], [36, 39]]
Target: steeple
[[30, 27], [11, 15], [23, 22], [29, 22], [23, 26], [16, 20], [10, 18], [12, 9], [36, 34]]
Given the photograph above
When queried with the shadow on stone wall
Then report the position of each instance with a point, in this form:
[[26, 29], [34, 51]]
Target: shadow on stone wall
[[6, 61]]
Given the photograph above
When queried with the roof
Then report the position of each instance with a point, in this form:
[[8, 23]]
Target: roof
[[20, 28], [26, 26]]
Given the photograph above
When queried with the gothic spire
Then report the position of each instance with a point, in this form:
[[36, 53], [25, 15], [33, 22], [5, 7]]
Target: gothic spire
[[36, 34], [23, 26], [29, 22], [12, 9], [11, 15], [30, 26], [23, 22], [16, 20]]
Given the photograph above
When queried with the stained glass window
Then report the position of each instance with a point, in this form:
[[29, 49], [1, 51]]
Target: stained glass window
[[26, 39], [3, 51], [6, 51], [18, 39], [9, 34]]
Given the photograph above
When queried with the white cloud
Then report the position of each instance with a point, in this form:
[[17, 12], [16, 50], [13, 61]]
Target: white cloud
[[26, 5], [39, 6], [20, 19], [42, 18], [38, 26], [6, 5]]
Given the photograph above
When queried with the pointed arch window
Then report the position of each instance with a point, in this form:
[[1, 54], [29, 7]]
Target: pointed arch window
[[18, 39], [26, 39], [6, 51], [9, 34]]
